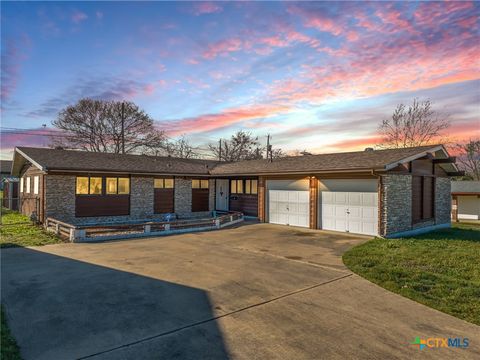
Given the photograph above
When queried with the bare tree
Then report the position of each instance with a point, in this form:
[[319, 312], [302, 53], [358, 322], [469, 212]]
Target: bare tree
[[241, 146], [278, 154], [181, 148], [468, 158], [108, 126], [414, 125]]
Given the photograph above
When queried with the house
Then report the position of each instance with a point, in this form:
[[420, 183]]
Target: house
[[5, 168], [375, 192], [465, 200], [10, 193]]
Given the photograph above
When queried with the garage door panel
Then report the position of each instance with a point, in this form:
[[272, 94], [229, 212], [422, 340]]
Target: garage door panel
[[355, 199], [289, 207], [355, 212]]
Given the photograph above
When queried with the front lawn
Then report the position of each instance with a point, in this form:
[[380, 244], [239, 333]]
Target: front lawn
[[440, 269], [17, 230], [9, 349]]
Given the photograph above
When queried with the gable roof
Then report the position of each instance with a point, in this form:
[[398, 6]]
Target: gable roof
[[73, 160], [5, 166], [466, 187], [83, 161], [349, 161]]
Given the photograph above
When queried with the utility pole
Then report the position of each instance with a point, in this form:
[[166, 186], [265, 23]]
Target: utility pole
[[269, 148], [220, 150], [123, 127]]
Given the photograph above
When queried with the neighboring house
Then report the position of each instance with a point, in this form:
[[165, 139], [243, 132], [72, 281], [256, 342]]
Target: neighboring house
[[10, 193], [5, 168], [465, 200], [375, 192]]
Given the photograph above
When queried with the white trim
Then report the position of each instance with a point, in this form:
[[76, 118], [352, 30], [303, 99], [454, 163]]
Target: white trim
[[30, 159], [414, 157], [21, 184], [27, 190]]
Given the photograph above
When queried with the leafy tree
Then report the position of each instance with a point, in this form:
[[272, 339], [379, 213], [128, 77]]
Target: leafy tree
[[96, 125], [414, 125]]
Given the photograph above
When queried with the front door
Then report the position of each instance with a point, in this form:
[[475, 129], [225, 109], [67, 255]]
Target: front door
[[221, 202]]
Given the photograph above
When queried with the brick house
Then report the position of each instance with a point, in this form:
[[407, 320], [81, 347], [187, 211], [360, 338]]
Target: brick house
[[374, 192]]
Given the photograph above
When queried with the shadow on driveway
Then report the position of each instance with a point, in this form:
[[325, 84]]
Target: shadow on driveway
[[59, 308]]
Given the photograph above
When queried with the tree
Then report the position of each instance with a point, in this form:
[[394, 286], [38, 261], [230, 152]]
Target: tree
[[468, 158], [181, 148], [414, 125], [241, 146], [96, 125]]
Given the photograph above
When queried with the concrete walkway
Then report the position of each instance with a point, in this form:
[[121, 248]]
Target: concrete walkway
[[253, 292]]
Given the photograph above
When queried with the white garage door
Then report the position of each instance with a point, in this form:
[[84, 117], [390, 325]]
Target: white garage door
[[288, 207], [355, 212]]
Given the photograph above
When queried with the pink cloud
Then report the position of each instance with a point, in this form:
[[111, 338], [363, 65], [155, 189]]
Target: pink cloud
[[78, 17], [202, 8], [13, 54], [223, 47], [227, 117]]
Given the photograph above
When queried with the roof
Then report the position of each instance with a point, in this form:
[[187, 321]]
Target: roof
[[5, 166], [466, 187], [82, 161], [358, 160], [73, 160]]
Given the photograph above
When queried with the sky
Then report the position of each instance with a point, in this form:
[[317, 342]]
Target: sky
[[319, 76]]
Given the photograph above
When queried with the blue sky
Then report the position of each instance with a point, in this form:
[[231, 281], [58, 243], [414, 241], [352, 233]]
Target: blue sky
[[319, 76]]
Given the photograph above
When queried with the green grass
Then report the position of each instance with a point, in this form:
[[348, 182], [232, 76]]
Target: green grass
[[17, 230], [440, 269], [8, 349]]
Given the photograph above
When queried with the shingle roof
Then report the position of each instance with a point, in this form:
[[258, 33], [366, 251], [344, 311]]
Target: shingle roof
[[465, 186], [5, 166], [358, 160], [56, 159]]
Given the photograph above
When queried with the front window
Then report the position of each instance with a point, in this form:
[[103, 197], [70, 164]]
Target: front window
[[21, 185], [27, 190], [111, 186], [124, 186], [243, 186], [163, 183], [36, 184], [82, 186], [95, 186], [199, 184]]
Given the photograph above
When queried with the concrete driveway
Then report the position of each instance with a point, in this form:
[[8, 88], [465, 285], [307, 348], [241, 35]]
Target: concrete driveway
[[257, 291]]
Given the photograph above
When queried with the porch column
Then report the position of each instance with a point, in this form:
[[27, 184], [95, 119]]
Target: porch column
[[313, 202], [261, 198]]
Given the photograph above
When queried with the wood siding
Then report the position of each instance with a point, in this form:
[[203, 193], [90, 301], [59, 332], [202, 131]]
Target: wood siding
[[30, 202], [417, 201], [102, 205], [428, 196], [261, 199], [200, 200], [163, 201], [245, 203]]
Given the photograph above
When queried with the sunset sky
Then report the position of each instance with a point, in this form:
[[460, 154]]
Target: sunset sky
[[315, 75]]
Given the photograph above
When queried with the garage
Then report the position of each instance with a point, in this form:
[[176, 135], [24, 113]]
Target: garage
[[289, 207], [355, 212]]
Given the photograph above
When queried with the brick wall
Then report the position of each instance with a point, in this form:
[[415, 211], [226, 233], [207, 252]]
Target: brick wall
[[443, 200], [60, 199], [396, 200]]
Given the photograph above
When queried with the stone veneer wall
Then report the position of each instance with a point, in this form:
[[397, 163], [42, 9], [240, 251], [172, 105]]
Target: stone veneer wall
[[396, 201], [60, 199], [443, 200], [183, 198]]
